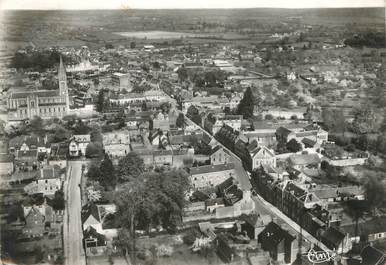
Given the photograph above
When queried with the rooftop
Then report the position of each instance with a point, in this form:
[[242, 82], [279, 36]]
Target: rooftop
[[211, 168]]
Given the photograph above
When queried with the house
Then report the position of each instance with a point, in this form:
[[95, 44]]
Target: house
[[161, 121], [163, 157], [211, 175], [78, 144], [158, 138], [335, 238], [6, 164], [372, 256], [41, 218], [219, 155], [212, 204], [233, 121], [117, 143], [94, 242], [312, 132], [99, 217], [302, 161], [90, 217], [253, 225], [25, 143], [263, 137], [336, 194], [122, 80], [261, 156], [369, 231], [27, 159], [224, 250], [295, 200], [280, 243], [47, 182], [34, 223]]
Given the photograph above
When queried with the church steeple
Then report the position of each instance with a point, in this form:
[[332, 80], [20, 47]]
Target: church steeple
[[63, 89], [62, 78]]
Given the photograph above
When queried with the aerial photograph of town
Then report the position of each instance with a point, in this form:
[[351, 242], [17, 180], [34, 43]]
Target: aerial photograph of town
[[144, 132]]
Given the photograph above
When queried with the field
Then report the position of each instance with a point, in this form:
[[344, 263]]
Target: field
[[96, 27]]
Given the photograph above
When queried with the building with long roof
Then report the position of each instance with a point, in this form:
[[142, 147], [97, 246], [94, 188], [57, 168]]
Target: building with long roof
[[22, 105]]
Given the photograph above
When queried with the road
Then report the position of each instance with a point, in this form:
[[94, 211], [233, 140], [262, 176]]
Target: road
[[72, 226]]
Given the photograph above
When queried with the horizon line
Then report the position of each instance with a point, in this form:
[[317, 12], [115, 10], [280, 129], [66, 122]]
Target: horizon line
[[188, 8]]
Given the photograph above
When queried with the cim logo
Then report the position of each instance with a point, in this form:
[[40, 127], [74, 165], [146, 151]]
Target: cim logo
[[320, 256]]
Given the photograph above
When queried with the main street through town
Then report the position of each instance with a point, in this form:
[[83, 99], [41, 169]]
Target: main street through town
[[72, 227]]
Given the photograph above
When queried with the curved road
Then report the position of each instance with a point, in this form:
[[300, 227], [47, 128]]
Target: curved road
[[72, 225]]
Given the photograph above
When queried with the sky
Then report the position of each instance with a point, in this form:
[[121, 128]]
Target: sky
[[170, 4]]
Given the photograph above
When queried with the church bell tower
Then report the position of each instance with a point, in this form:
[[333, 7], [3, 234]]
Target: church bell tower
[[63, 89]]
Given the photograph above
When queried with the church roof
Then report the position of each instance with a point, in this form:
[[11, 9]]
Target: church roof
[[39, 93]]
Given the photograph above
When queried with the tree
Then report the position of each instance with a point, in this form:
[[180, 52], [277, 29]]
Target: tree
[[381, 143], [334, 120], [96, 81], [39, 254], [107, 173], [58, 202], [356, 210], [36, 125], [375, 192], [61, 134], [194, 115], [366, 120], [165, 107], [94, 150], [109, 46], [182, 74], [94, 172], [130, 167], [293, 146], [120, 119], [180, 121], [96, 135], [157, 198], [144, 106], [101, 104], [128, 200], [246, 105], [268, 117], [81, 128], [123, 240], [50, 83]]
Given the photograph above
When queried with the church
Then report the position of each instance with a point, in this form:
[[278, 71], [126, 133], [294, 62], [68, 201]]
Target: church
[[46, 104]]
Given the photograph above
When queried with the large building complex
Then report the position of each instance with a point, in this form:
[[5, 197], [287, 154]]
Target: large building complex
[[44, 103]]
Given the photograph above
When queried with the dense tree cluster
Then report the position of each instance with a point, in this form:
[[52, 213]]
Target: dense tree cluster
[[37, 60], [147, 199], [103, 173], [366, 120], [293, 146], [194, 115], [130, 167], [368, 39], [158, 198]]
